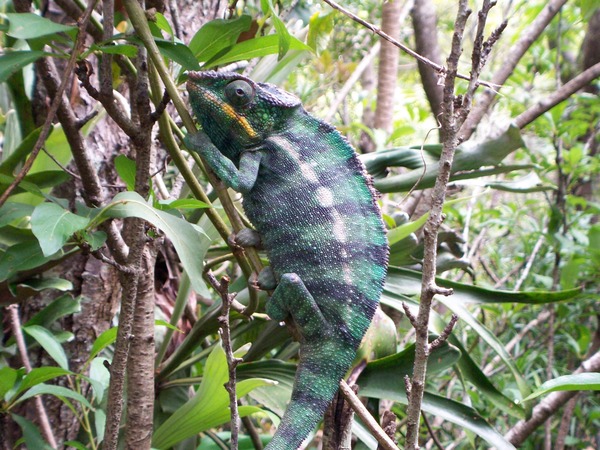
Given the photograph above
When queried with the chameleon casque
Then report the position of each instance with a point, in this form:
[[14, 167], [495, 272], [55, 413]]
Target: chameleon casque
[[309, 198]]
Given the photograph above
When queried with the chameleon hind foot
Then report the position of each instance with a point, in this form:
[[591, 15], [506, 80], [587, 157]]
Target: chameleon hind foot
[[292, 298]]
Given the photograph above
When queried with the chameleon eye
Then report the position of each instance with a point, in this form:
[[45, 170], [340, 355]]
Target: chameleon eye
[[239, 92]]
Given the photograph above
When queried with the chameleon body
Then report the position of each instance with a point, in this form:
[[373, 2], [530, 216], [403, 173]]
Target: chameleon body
[[309, 198]]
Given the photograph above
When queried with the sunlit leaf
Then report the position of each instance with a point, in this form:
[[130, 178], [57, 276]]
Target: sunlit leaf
[[190, 242], [218, 35], [575, 382]]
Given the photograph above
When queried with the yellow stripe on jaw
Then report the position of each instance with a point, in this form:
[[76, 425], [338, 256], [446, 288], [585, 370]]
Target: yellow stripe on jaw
[[231, 113]]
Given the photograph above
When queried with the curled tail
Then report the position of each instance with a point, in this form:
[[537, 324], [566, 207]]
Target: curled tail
[[322, 366]]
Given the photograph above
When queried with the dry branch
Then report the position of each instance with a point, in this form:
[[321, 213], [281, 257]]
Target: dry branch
[[511, 59]]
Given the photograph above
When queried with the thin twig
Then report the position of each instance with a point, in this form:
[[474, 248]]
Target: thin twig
[[222, 288], [439, 68], [530, 260], [17, 330], [434, 438], [55, 103], [445, 333], [362, 412]]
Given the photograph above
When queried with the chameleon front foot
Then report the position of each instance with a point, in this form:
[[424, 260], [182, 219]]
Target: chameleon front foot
[[246, 237]]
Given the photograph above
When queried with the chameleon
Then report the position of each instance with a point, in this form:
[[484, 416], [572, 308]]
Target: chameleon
[[311, 202]]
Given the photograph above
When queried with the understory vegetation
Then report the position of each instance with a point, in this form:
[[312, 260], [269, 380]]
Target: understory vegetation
[[123, 308]]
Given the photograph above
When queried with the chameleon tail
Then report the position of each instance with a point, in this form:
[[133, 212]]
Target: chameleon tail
[[317, 380]]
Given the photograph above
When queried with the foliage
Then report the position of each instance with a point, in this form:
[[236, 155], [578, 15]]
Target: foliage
[[522, 249]]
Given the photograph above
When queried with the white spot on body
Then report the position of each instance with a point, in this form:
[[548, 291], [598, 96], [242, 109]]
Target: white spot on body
[[324, 197]]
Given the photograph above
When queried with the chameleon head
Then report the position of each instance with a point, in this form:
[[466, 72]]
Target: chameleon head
[[236, 112]]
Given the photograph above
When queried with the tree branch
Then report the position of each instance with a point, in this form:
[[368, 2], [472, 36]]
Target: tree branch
[[511, 58], [17, 330], [384, 440], [560, 95]]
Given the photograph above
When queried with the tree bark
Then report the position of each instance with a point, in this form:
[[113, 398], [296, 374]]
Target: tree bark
[[388, 66], [424, 21]]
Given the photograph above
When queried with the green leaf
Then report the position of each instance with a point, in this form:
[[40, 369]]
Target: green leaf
[[469, 159], [576, 382], [208, 408], [283, 34], [164, 323], [48, 343], [190, 242], [275, 397], [23, 256], [104, 340], [29, 25], [183, 203], [218, 35], [58, 391], [11, 62], [319, 26], [54, 226], [8, 377], [404, 230], [11, 211], [31, 434], [162, 23], [408, 282], [35, 182], [529, 183], [62, 306], [254, 48], [125, 167], [178, 52], [128, 50], [41, 375]]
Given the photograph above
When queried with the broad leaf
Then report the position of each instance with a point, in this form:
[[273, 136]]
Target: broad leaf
[[8, 377], [408, 282], [11, 62], [190, 242], [469, 158], [217, 35], [31, 434], [254, 48], [53, 226], [13, 211], [58, 308], [29, 25], [41, 375], [450, 410], [104, 340]]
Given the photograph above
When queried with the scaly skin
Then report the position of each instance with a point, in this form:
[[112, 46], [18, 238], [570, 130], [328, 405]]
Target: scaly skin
[[307, 194]]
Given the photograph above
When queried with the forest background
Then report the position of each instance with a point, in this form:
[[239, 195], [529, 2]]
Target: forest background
[[105, 221]]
